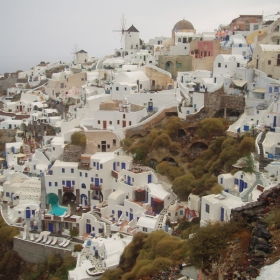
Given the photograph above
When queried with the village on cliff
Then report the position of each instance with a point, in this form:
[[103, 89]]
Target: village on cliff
[[51, 188]]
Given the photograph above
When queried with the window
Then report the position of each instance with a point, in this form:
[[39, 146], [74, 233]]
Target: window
[[73, 183], [126, 213], [108, 146], [118, 122], [8, 194], [207, 208], [238, 64], [123, 116], [179, 40], [131, 210], [129, 122], [101, 166], [63, 170], [110, 122], [88, 221], [145, 229], [53, 148], [219, 65], [117, 88], [179, 65], [101, 180], [55, 184], [113, 211], [114, 142], [226, 66], [92, 179], [81, 174], [181, 212], [50, 184], [98, 146], [72, 170], [94, 164], [83, 186], [276, 89], [125, 88], [93, 228], [98, 122], [86, 175]]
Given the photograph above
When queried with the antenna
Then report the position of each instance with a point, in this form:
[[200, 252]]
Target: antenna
[[122, 30]]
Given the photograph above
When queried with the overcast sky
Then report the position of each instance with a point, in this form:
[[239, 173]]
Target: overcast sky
[[35, 30]]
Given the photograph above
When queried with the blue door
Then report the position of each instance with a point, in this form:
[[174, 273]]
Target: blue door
[[96, 182], [114, 166], [50, 227], [241, 185], [150, 106], [123, 165], [128, 180], [246, 127], [149, 178], [222, 214], [119, 213], [68, 184], [130, 216], [27, 213], [88, 228]]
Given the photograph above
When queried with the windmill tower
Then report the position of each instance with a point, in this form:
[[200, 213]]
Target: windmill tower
[[122, 31]]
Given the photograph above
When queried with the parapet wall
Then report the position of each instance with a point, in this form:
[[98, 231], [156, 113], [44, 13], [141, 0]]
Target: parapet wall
[[37, 252]]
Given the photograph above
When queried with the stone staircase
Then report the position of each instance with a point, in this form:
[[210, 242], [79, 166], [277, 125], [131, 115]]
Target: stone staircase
[[108, 229], [262, 160], [245, 197]]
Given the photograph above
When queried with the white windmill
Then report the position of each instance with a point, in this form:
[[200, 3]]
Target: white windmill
[[122, 30]]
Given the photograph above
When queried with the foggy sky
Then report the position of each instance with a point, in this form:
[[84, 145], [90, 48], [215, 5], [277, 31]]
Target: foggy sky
[[35, 30]]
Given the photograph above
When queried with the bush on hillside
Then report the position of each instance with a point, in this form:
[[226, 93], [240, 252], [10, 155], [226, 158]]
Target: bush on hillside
[[78, 138]]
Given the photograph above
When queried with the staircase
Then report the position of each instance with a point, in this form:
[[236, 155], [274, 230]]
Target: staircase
[[262, 160], [245, 197], [108, 229]]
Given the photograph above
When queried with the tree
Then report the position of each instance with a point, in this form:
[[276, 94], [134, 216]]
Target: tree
[[208, 242], [74, 232], [246, 146], [216, 189], [54, 262], [211, 127], [161, 141], [182, 186], [173, 125]]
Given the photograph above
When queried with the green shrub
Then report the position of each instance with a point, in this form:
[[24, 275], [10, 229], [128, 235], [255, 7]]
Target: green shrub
[[78, 138]]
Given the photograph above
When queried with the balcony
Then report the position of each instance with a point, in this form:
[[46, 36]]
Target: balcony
[[68, 189], [95, 187], [84, 166], [115, 174]]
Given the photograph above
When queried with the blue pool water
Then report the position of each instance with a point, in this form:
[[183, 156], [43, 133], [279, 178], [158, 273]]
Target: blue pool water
[[57, 209]]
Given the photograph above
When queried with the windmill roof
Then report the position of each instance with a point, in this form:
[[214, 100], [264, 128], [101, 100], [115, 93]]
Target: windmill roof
[[81, 51], [132, 29]]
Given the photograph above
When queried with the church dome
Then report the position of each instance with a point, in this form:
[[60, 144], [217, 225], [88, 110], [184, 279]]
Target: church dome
[[183, 24]]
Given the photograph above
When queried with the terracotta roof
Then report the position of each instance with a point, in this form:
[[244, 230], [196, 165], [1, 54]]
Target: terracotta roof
[[132, 29]]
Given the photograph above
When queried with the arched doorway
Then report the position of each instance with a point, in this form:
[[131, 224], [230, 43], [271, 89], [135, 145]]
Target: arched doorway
[[84, 199], [169, 66]]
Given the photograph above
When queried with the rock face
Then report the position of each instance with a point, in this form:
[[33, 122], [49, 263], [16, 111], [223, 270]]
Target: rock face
[[72, 153], [245, 263]]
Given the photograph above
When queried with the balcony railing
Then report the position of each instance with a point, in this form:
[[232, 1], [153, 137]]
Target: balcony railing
[[68, 189], [95, 187], [115, 174]]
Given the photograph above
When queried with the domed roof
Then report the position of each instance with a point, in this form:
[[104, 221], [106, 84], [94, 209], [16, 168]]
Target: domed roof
[[183, 24]]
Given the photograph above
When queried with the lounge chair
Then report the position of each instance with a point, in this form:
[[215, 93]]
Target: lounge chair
[[45, 239], [39, 238], [66, 243], [24, 235], [31, 237], [62, 242], [49, 240], [54, 241]]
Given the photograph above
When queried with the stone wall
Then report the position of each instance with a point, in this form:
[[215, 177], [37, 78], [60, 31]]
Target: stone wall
[[142, 128], [37, 252]]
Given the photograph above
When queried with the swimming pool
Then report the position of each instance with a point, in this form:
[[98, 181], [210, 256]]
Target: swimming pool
[[57, 209]]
